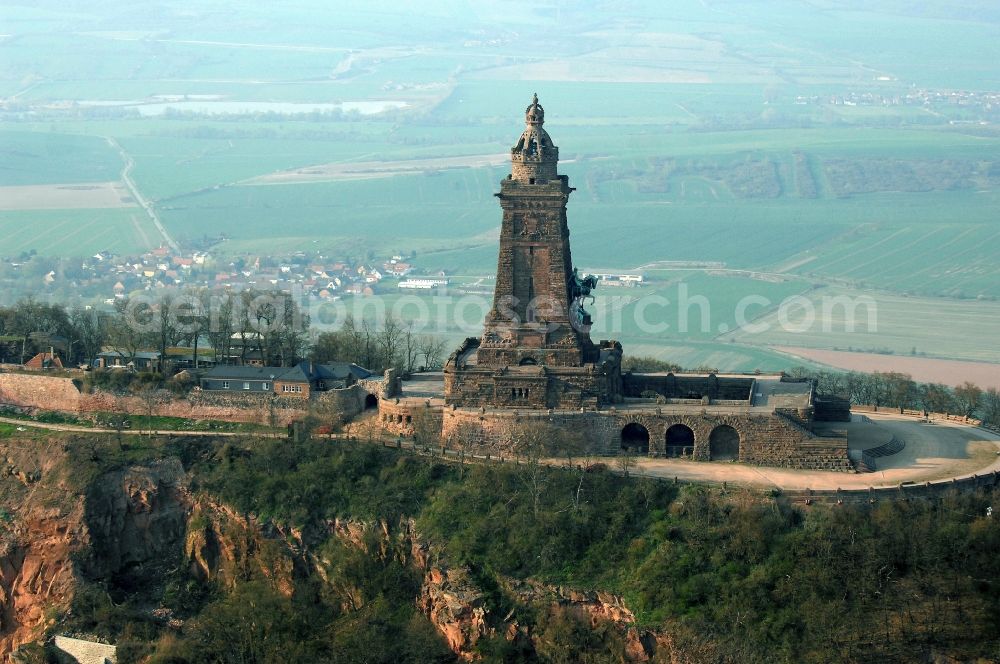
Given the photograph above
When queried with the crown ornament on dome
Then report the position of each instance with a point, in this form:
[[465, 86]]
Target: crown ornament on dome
[[534, 114]]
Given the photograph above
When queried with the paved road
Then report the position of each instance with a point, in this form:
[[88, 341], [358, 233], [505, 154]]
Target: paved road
[[146, 205], [938, 451]]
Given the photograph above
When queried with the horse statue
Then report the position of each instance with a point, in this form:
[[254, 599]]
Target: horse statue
[[581, 288], [588, 284]]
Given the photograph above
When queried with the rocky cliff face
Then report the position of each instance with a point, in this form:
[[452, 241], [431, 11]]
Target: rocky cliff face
[[40, 530], [126, 523], [36, 575], [53, 534], [457, 606], [224, 547], [134, 516]]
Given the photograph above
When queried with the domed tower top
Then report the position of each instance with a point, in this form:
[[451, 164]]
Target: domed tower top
[[534, 114], [534, 159]]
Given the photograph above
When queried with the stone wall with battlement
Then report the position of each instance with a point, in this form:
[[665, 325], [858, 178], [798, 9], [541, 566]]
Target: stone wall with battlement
[[689, 387], [49, 393], [403, 417]]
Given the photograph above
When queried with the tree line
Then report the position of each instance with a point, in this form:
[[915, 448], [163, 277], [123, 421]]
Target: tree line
[[233, 324], [899, 390], [227, 327], [380, 346]]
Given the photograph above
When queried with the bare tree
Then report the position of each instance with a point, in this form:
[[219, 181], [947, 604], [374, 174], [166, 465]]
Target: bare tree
[[128, 331], [389, 338], [625, 460], [88, 334], [967, 398], [464, 439], [991, 406], [151, 398], [221, 325], [432, 349], [532, 441], [937, 398], [166, 327], [191, 321], [332, 347], [578, 460], [409, 348], [426, 426], [901, 390], [371, 427], [119, 422]]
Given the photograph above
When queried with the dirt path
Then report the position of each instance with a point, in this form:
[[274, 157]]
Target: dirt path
[[934, 452], [73, 428]]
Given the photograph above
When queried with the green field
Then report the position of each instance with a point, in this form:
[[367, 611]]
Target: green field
[[49, 157], [77, 232], [935, 327], [677, 318], [693, 131]]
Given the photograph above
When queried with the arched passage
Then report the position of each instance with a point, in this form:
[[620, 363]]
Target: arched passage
[[635, 438], [680, 440], [371, 401], [724, 443]]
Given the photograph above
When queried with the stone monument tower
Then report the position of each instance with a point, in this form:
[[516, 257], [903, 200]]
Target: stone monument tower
[[537, 333]]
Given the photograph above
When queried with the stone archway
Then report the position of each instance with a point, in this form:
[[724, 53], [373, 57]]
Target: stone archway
[[635, 438], [724, 444], [371, 402], [680, 441]]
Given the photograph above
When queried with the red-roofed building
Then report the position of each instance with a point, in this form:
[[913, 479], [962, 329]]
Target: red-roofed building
[[44, 361]]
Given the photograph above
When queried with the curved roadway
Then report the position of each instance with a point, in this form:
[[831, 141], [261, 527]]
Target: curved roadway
[[934, 451]]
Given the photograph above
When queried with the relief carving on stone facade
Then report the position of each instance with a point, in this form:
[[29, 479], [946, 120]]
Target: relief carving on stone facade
[[494, 340]]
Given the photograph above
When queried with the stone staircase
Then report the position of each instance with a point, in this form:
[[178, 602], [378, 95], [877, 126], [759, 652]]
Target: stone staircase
[[866, 460], [802, 448]]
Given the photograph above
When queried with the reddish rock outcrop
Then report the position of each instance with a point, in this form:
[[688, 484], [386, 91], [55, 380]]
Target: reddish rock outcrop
[[36, 575], [455, 605]]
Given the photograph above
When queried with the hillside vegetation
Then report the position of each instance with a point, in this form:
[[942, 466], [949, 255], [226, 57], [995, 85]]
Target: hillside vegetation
[[724, 577]]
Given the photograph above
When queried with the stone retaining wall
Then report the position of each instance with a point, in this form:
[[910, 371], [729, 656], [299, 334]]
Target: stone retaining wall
[[764, 440], [51, 393], [37, 391], [260, 407]]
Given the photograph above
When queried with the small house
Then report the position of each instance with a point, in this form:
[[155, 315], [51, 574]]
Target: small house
[[46, 360], [240, 378], [139, 361]]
